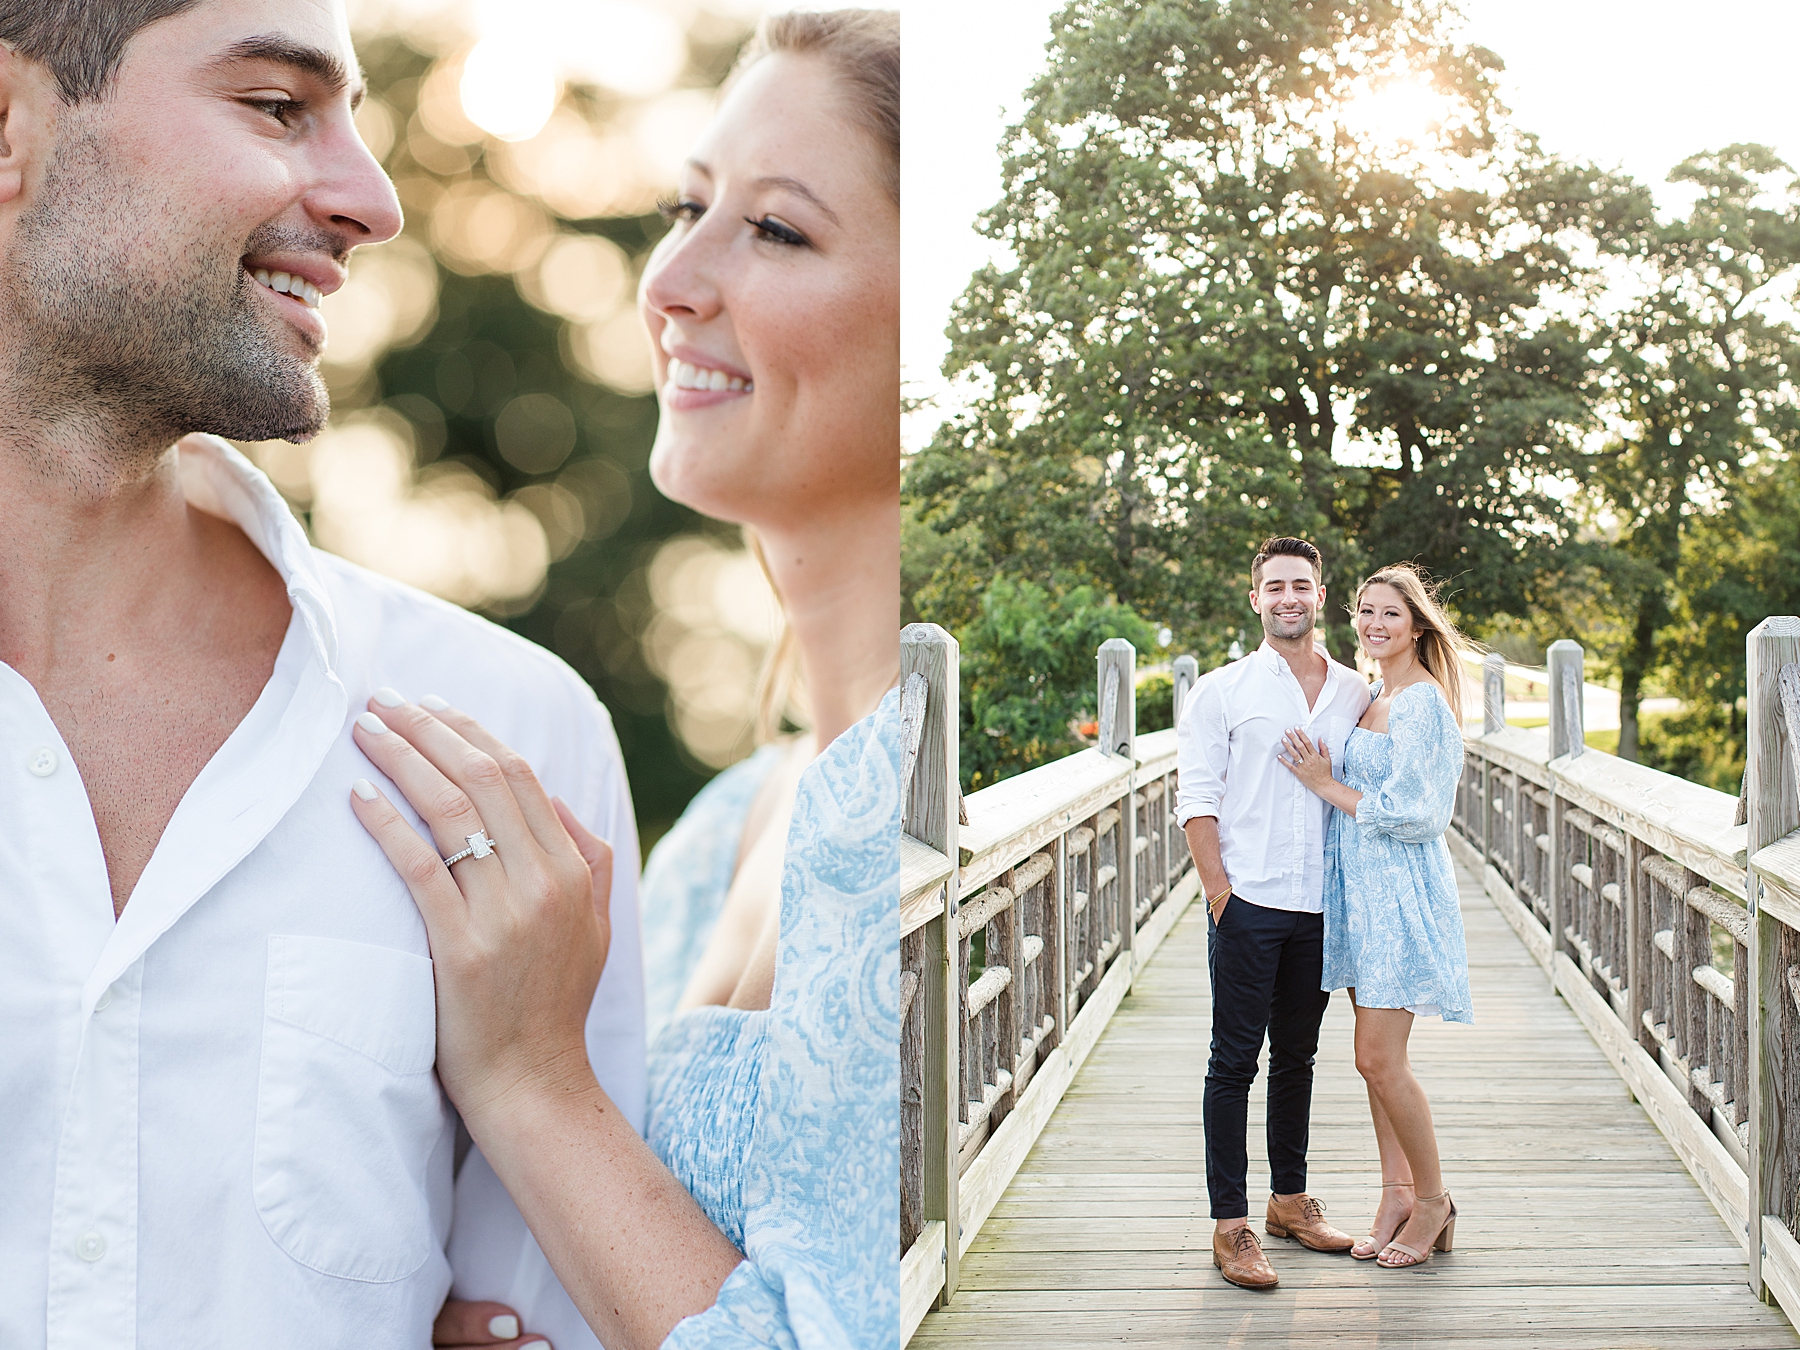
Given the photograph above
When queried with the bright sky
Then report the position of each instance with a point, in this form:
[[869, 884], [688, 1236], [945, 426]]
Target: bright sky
[[1637, 84]]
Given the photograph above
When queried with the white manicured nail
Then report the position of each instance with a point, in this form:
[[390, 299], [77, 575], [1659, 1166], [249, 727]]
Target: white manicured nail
[[363, 788], [370, 723], [433, 703], [389, 698], [505, 1327]]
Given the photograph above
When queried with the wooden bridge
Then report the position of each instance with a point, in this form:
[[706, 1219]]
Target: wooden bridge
[[1600, 1122]]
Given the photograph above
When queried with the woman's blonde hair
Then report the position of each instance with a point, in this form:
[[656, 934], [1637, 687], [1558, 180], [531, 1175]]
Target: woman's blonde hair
[[863, 46], [1441, 644]]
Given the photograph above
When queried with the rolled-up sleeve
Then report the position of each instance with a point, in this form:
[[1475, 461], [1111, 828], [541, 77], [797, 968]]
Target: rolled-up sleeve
[[1413, 804], [1202, 750]]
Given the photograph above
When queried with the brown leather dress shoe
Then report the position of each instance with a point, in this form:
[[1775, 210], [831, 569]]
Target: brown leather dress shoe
[[1303, 1219], [1239, 1257]]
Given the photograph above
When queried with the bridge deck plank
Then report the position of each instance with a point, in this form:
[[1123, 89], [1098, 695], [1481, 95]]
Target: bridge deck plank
[[1580, 1226]]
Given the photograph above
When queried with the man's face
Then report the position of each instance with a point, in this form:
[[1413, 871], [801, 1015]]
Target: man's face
[[144, 254], [1288, 598]]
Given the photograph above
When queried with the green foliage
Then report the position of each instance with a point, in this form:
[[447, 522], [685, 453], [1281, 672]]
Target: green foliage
[[1703, 743], [1028, 673], [1155, 702], [1235, 314], [1698, 383]]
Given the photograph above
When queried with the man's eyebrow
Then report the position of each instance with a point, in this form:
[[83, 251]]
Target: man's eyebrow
[[323, 66], [799, 189]]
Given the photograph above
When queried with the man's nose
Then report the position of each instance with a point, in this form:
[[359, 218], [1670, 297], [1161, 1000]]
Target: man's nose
[[354, 196]]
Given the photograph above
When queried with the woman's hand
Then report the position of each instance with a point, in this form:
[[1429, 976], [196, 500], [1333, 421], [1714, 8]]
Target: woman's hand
[[518, 937], [1309, 763]]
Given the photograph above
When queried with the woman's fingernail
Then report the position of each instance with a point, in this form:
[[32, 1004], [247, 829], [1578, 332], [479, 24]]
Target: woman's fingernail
[[388, 697], [370, 723], [363, 788], [505, 1327], [433, 703]]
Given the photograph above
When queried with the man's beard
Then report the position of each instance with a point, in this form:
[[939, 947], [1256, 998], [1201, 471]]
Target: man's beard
[[1285, 628], [145, 345]]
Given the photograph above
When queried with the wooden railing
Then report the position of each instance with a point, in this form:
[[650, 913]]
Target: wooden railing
[[1630, 886], [1024, 918]]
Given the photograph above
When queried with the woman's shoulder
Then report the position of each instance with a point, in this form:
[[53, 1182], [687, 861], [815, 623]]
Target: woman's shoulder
[[1426, 706]]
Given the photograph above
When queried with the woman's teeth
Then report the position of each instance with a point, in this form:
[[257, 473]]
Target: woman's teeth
[[298, 287], [685, 376]]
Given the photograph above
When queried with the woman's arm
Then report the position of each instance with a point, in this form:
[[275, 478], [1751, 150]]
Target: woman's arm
[[1414, 802], [518, 940]]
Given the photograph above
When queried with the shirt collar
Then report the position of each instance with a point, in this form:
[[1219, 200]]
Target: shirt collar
[[1275, 663], [218, 480]]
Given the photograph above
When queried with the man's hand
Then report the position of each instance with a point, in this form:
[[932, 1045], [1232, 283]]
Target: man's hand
[[491, 1325]]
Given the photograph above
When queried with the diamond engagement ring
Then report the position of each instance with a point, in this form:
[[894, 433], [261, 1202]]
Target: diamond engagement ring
[[479, 846]]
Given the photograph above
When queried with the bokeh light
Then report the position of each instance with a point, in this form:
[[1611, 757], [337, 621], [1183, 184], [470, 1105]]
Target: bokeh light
[[490, 378]]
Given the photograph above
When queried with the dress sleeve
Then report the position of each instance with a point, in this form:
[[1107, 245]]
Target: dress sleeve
[[821, 1207], [1414, 802]]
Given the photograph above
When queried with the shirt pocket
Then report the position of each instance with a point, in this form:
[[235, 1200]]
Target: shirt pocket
[[348, 1111], [1334, 730]]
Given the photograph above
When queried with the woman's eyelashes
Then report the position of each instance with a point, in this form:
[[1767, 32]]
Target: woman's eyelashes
[[673, 209], [772, 229], [686, 209]]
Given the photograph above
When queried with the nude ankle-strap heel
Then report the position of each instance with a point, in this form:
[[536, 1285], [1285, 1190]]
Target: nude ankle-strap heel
[[1367, 1249], [1445, 1238]]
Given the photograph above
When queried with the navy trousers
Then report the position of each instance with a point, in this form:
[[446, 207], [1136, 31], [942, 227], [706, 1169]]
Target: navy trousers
[[1265, 965]]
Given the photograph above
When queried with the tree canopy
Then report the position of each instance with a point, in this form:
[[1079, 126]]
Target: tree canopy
[[1289, 266]]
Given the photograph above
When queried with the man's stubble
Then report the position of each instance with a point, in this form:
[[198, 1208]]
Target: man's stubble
[[127, 339]]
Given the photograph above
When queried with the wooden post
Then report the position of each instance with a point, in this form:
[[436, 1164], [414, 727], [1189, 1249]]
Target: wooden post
[[931, 811], [1187, 674], [1567, 687], [1566, 738], [1116, 672], [1772, 810], [1493, 718]]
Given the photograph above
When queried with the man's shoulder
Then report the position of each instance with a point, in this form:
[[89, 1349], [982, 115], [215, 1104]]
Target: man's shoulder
[[384, 625]]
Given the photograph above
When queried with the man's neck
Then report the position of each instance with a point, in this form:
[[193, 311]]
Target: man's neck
[[147, 628], [1301, 655], [87, 547]]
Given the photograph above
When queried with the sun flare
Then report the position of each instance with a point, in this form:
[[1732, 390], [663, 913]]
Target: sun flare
[[1403, 111]]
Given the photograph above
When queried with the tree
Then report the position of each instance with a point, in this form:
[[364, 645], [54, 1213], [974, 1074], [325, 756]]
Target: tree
[[1242, 305], [1028, 674], [1699, 388]]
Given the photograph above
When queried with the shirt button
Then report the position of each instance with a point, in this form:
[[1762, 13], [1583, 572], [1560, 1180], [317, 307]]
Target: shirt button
[[104, 999], [90, 1246], [42, 761]]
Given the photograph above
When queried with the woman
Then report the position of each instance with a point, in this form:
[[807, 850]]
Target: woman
[[762, 1211], [1393, 931]]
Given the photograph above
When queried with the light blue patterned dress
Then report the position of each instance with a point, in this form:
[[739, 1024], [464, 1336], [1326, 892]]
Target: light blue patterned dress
[[1393, 928], [785, 1123]]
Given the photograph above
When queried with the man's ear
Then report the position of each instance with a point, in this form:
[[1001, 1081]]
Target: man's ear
[[1255, 601], [24, 119]]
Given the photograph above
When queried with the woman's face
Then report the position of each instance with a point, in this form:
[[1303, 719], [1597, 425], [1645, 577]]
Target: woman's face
[[773, 306], [1384, 623]]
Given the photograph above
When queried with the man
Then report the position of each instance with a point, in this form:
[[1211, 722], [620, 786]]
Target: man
[[1258, 840], [221, 1121]]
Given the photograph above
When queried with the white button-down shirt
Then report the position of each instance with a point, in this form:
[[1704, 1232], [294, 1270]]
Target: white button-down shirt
[[219, 1122], [1228, 742]]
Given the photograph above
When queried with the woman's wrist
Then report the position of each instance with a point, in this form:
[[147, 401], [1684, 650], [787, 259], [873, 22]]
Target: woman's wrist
[[504, 1101]]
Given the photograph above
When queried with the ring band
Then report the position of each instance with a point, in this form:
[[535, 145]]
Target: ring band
[[479, 846]]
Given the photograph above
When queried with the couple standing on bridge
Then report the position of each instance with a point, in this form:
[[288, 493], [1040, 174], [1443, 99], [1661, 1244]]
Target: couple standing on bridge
[[1316, 881]]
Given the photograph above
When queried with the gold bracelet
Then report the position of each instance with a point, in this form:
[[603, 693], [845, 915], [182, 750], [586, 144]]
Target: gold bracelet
[[1220, 896]]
